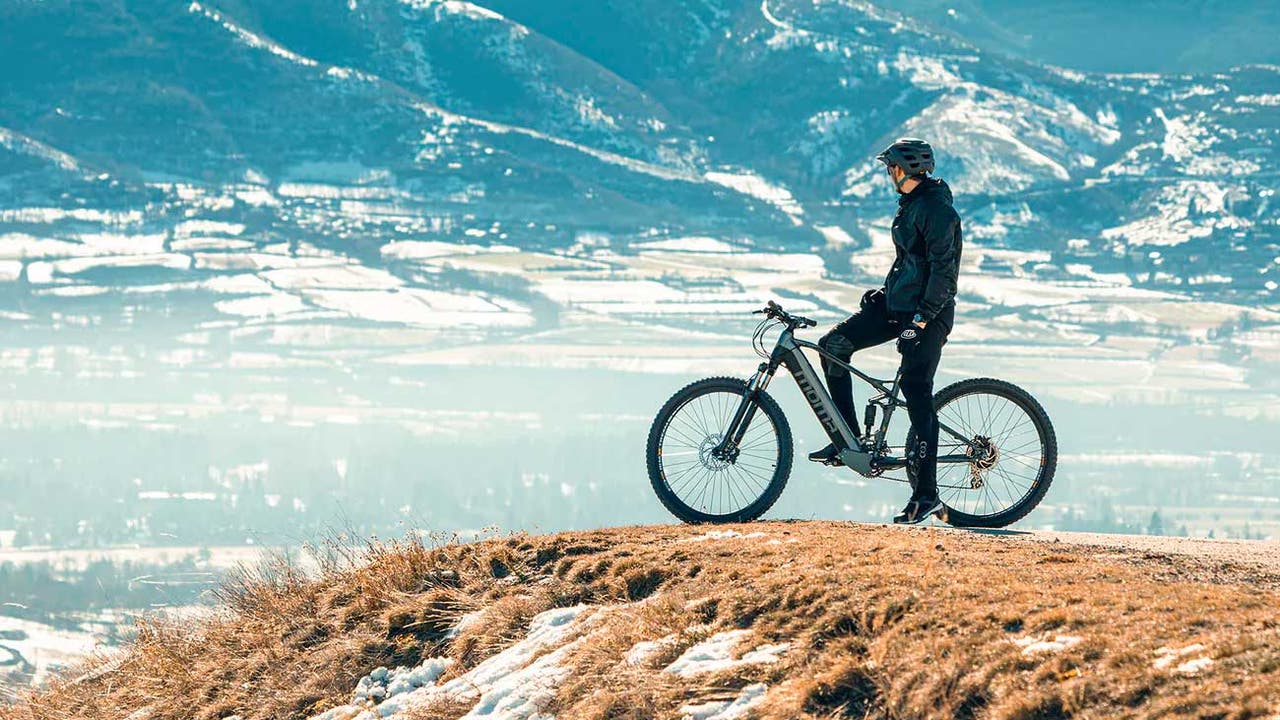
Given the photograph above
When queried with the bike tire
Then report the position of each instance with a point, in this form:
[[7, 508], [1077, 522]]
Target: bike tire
[[1048, 460], [657, 477]]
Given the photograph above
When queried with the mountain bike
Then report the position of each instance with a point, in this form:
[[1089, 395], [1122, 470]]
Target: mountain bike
[[720, 449]]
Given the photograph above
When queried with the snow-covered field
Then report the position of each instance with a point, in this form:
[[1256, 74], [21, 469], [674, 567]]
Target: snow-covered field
[[516, 683], [670, 305], [35, 649]]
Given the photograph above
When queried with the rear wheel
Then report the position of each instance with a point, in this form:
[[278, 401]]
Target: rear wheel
[[694, 484], [1012, 446]]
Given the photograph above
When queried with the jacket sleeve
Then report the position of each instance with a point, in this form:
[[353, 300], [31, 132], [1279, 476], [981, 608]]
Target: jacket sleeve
[[941, 232]]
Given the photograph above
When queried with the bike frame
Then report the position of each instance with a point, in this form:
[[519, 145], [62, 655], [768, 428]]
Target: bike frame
[[788, 352]]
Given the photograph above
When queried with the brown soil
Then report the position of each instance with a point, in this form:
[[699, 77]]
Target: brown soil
[[882, 623]]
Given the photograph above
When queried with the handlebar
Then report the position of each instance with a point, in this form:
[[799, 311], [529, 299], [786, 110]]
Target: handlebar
[[775, 311]]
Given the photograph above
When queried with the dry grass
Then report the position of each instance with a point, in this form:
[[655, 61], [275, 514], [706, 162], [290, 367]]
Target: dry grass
[[883, 623]]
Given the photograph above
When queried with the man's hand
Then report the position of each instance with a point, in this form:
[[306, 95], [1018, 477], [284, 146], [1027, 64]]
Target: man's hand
[[909, 339], [871, 297]]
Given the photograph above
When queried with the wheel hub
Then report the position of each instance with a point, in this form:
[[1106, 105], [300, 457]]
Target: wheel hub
[[983, 455], [710, 455]]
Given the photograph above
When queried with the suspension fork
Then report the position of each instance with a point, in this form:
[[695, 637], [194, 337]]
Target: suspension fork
[[746, 411]]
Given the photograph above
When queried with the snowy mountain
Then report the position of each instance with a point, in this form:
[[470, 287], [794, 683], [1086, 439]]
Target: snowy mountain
[[608, 119], [266, 171]]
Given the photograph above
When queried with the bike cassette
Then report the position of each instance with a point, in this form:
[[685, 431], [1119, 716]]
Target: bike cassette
[[983, 455]]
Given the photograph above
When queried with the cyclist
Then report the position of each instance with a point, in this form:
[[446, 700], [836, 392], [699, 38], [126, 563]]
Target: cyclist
[[916, 306]]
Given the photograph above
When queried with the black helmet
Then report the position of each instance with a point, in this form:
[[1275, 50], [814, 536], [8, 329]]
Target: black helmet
[[913, 155]]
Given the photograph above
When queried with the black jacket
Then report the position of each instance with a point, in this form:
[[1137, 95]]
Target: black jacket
[[926, 235]]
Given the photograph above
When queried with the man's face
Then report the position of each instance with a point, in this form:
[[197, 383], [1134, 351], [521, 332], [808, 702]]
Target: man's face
[[895, 173]]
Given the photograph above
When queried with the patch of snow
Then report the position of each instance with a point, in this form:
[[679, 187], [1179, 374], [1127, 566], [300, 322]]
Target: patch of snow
[[592, 115], [785, 33], [1192, 667], [1188, 141], [45, 272], [457, 7], [925, 72], [257, 197], [427, 249], [688, 244], [345, 277], [511, 684], [640, 653], [759, 188], [1183, 138], [1032, 645], [835, 235], [49, 216], [723, 535], [1167, 656], [188, 228], [46, 648], [463, 623], [18, 142], [716, 653], [659, 171], [118, 244], [261, 305], [21, 245], [1269, 100], [749, 697], [10, 270], [383, 683], [1184, 210], [251, 39], [418, 306]]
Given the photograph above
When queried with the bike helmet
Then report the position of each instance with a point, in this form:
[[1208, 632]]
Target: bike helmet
[[913, 155]]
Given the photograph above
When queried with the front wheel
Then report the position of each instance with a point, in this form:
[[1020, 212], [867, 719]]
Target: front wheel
[[998, 464], [696, 485]]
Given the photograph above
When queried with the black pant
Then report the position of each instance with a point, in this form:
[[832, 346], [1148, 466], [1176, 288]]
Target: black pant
[[874, 325]]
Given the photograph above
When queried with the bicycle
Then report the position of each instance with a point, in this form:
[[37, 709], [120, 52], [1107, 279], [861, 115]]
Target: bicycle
[[708, 462]]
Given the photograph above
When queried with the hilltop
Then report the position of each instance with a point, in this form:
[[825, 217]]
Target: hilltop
[[769, 620]]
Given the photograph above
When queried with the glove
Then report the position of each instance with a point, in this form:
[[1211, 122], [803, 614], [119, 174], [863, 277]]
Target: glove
[[909, 339], [872, 297]]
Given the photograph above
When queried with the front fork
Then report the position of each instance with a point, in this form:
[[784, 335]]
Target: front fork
[[728, 447]]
